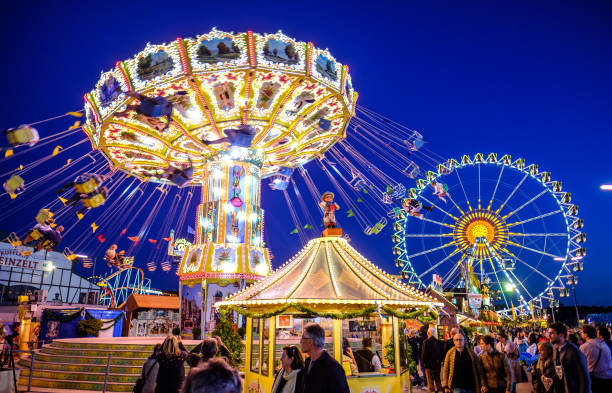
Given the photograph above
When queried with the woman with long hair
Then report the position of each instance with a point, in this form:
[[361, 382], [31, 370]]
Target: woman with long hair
[[289, 378], [171, 372]]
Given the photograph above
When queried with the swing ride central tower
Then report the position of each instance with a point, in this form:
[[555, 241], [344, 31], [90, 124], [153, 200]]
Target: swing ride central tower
[[296, 98]]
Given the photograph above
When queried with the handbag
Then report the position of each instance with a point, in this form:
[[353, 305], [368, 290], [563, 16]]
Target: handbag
[[140, 382]]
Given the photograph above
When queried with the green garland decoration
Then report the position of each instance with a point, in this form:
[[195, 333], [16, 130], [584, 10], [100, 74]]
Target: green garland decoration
[[421, 314], [52, 316]]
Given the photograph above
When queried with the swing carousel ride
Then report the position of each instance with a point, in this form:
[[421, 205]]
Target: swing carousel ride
[[208, 119], [494, 227]]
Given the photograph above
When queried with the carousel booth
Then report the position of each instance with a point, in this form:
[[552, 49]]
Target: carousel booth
[[331, 284], [151, 315]]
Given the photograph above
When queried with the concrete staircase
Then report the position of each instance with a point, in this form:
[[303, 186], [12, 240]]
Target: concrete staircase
[[80, 364]]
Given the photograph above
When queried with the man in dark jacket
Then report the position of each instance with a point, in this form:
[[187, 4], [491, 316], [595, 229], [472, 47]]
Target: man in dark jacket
[[322, 373], [570, 362], [431, 358]]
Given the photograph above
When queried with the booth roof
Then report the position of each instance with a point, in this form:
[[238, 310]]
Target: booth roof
[[329, 271], [139, 301]]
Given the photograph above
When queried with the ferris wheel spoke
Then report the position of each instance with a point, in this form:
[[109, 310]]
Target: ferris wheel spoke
[[520, 283], [538, 234], [439, 208], [533, 218], [532, 249], [464, 193], [438, 263], [457, 206], [417, 235], [451, 272], [451, 243], [525, 204], [439, 223], [499, 285], [548, 279], [495, 190], [512, 193]]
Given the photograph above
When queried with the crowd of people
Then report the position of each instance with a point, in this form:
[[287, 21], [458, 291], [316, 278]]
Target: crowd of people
[[555, 360], [307, 370]]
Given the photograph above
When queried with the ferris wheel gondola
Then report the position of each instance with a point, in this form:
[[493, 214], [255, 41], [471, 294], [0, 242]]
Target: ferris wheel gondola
[[494, 224]]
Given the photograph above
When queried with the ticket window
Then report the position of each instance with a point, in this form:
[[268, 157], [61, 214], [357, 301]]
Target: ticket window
[[379, 334]]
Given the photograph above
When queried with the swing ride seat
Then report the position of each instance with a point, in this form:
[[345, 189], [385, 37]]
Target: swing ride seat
[[24, 251], [69, 254], [94, 201], [87, 187], [13, 183], [35, 234], [13, 239], [43, 215], [179, 179], [22, 135], [48, 244]]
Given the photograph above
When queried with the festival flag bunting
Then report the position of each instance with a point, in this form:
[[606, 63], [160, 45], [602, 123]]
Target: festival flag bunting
[[19, 168], [75, 114], [8, 153], [101, 238], [93, 227], [134, 239], [64, 200], [151, 266], [307, 226], [80, 215], [123, 232], [152, 241], [359, 200], [68, 162], [56, 150], [293, 232], [168, 239], [76, 125], [350, 213]]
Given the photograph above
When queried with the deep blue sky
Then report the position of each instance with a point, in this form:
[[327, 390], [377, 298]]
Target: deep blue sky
[[531, 80]]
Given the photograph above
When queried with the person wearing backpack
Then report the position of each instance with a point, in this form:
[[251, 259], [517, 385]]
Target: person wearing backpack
[[367, 361], [431, 358]]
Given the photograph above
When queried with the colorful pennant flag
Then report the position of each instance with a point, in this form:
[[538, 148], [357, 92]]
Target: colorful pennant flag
[[93, 227], [56, 150], [75, 114], [123, 232], [293, 232], [8, 153], [350, 213], [64, 200], [101, 238], [307, 226], [359, 200], [134, 239], [80, 215], [152, 241], [76, 125], [168, 239]]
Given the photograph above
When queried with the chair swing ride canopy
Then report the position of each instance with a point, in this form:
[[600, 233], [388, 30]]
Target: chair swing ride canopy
[[297, 97]]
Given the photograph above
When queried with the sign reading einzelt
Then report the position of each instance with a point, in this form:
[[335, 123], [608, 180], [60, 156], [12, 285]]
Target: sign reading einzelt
[[12, 258]]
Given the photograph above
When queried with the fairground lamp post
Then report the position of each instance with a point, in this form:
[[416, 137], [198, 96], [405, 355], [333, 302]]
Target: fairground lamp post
[[298, 100]]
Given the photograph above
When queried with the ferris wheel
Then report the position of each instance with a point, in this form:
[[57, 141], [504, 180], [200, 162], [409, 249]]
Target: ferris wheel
[[492, 226]]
